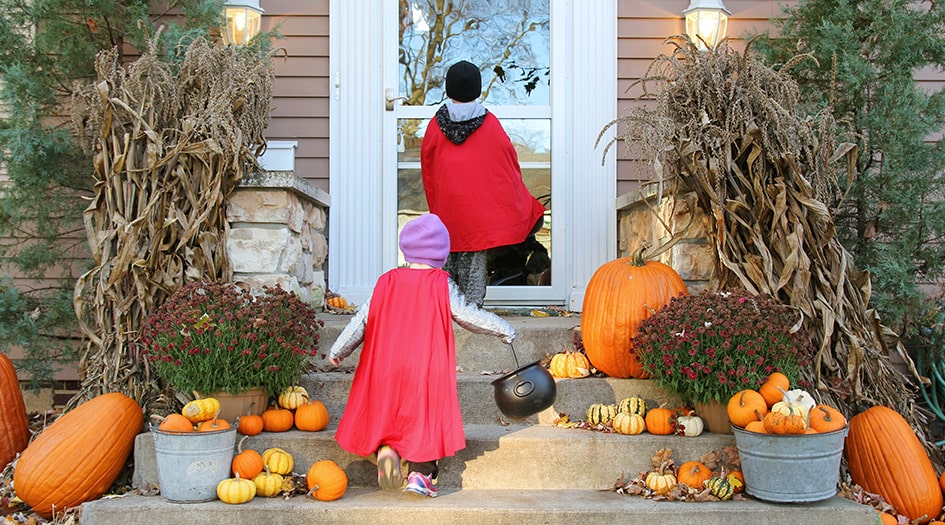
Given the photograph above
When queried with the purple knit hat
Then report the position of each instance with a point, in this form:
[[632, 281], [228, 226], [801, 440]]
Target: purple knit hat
[[425, 240]]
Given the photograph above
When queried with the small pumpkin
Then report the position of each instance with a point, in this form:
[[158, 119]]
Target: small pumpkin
[[14, 423], [721, 487], [774, 387], [630, 424], [796, 401], [825, 418], [326, 481], [311, 416], [693, 473], [737, 479], [689, 425], [336, 301], [569, 365], [268, 483], [600, 413], [661, 480], [246, 463], [746, 406], [292, 397], [659, 421], [278, 460], [212, 425], [250, 425], [632, 405], [200, 410], [277, 419], [174, 423], [756, 426], [236, 490]]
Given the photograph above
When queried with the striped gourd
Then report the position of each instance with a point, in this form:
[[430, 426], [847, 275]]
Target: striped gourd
[[626, 423], [601, 414], [721, 488], [632, 405]]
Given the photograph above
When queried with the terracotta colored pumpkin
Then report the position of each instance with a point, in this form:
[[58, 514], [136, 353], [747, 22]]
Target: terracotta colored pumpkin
[[311, 416], [326, 481], [236, 490], [693, 473], [14, 423], [78, 456], [825, 418], [248, 463], [569, 365], [175, 423], [293, 397], [278, 460], [885, 457], [746, 406], [620, 295], [773, 388], [277, 419], [659, 421]]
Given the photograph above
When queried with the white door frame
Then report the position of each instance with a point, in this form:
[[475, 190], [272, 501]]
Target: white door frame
[[362, 224]]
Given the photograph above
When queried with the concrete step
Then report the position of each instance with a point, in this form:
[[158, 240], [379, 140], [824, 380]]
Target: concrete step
[[474, 507]]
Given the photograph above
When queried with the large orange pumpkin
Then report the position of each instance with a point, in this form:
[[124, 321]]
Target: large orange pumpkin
[[620, 295], [885, 457], [14, 424], [79, 455], [326, 481]]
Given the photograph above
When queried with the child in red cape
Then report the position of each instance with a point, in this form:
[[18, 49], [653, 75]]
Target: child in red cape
[[403, 401]]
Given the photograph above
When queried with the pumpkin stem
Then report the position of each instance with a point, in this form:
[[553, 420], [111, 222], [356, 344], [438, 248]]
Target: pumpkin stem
[[636, 259], [239, 446]]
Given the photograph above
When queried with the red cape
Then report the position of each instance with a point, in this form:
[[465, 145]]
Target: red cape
[[476, 188], [404, 388]]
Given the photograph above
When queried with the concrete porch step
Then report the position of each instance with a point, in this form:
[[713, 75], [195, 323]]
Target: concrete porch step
[[474, 507]]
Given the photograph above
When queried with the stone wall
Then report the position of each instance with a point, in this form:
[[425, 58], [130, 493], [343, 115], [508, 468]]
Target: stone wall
[[278, 234], [642, 218]]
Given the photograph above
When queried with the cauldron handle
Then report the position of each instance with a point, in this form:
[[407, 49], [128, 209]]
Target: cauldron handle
[[515, 357]]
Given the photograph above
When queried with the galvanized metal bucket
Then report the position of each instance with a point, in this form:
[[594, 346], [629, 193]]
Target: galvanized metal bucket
[[790, 468], [192, 464]]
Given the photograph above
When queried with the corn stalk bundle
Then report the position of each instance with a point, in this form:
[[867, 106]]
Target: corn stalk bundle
[[170, 142], [726, 127]]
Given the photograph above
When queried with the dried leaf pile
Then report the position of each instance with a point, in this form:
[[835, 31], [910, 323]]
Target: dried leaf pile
[[170, 142], [724, 126], [725, 459]]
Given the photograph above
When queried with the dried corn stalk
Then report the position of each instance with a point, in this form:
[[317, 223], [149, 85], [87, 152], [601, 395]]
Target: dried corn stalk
[[723, 125], [170, 143]]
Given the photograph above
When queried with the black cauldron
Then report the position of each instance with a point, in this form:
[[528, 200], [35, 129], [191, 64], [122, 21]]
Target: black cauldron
[[525, 392]]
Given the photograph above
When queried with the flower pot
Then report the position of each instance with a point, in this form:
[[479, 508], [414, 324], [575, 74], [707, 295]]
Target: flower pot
[[253, 401], [715, 416]]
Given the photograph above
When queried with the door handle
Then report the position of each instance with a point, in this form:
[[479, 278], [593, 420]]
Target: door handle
[[389, 99]]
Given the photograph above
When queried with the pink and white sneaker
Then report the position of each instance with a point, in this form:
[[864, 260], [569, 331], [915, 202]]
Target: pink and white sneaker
[[389, 476], [420, 484]]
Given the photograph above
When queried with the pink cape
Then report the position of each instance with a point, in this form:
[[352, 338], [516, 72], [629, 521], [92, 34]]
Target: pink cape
[[404, 388]]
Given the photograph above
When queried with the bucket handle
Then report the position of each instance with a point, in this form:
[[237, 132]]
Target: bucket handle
[[523, 388]]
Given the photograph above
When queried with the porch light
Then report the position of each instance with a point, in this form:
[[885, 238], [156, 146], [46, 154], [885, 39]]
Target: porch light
[[243, 21], [707, 19]]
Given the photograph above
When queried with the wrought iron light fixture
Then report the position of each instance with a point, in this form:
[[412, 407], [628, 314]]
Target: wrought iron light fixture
[[243, 21], [706, 22]]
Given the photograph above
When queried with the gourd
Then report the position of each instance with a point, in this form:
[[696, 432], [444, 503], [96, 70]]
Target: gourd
[[14, 423], [277, 419], [600, 413], [746, 406], [236, 490], [311, 416], [774, 387], [689, 425], [292, 397], [659, 421], [278, 460], [885, 457], [569, 365], [825, 418], [336, 301], [175, 423], [78, 456], [693, 474], [721, 487], [200, 410], [795, 401], [248, 463], [660, 481], [630, 424], [632, 405], [326, 481], [620, 295], [268, 483]]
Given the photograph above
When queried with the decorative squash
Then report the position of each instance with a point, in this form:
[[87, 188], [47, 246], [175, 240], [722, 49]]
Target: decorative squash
[[660, 421], [326, 481], [79, 455], [756, 426], [278, 460], [630, 424], [248, 463], [601, 414], [175, 423], [693, 474], [721, 488], [887, 518], [795, 401], [689, 425], [293, 397], [212, 425], [311, 416], [632, 405], [660, 481], [825, 418], [569, 365], [14, 423], [268, 484], [774, 422], [200, 410], [620, 295], [336, 301], [250, 425], [746, 406], [277, 419], [885, 457], [774, 387], [236, 490], [737, 479]]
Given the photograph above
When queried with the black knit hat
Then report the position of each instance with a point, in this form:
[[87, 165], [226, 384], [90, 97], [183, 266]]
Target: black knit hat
[[463, 82]]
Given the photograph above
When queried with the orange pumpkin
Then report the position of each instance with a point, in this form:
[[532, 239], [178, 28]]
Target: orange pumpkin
[[211, 425], [756, 426], [250, 425], [885, 457], [175, 423], [246, 464], [774, 387], [14, 423], [887, 519], [277, 419], [746, 406], [693, 473], [311, 416], [326, 481], [825, 418], [620, 295], [79, 455], [659, 421]]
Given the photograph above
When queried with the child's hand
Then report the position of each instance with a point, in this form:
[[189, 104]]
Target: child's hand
[[508, 339], [335, 361]]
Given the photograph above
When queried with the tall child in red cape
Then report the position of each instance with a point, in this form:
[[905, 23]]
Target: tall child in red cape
[[473, 181], [403, 401]]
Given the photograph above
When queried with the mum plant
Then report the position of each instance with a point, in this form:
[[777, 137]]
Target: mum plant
[[708, 346], [213, 336]]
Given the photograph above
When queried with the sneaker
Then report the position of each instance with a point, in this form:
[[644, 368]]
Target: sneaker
[[417, 483], [389, 476]]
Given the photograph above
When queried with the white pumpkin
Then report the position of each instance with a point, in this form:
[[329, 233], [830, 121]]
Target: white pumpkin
[[797, 402], [689, 426]]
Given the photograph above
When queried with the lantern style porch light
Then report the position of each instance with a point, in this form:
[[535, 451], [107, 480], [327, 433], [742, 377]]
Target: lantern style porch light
[[706, 22], [243, 21]]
